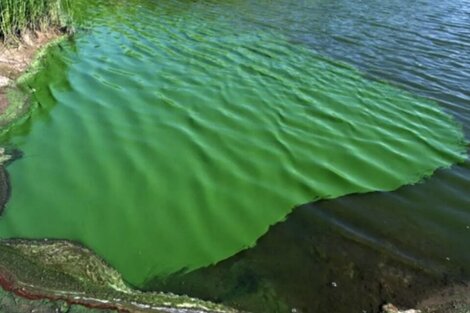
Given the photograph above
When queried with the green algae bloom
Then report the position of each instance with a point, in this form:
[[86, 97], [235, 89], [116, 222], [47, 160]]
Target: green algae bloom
[[166, 137]]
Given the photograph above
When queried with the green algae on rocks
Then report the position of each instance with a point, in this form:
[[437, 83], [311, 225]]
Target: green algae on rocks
[[62, 270]]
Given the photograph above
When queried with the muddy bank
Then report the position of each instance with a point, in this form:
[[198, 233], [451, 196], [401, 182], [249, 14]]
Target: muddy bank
[[15, 60], [62, 271], [11, 303], [16, 57]]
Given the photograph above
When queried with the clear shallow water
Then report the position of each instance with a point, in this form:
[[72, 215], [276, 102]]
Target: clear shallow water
[[169, 136]]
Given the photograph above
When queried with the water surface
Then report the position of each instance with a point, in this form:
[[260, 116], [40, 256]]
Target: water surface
[[170, 135], [394, 246]]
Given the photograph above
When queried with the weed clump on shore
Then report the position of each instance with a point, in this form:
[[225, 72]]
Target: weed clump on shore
[[20, 17]]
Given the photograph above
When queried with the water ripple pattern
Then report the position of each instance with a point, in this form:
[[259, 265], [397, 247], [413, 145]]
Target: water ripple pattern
[[169, 135]]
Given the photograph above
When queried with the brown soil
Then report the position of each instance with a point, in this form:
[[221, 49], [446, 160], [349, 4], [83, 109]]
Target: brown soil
[[15, 58], [3, 102]]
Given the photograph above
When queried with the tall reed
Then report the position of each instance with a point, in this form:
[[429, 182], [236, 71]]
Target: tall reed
[[17, 16]]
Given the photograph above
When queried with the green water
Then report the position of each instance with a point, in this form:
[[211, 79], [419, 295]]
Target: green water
[[169, 135]]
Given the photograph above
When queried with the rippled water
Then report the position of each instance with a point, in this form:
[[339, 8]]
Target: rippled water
[[418, 234], [170, 135]]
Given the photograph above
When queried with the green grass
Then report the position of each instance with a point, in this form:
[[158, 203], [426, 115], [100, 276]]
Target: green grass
[[18, 16]]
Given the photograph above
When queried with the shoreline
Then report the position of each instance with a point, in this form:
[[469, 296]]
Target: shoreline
[[58, 270], [29, 272], [16, 64], [30, 287]]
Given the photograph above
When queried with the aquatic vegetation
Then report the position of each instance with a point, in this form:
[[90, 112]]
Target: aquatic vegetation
[[18, 16], [165, 143]]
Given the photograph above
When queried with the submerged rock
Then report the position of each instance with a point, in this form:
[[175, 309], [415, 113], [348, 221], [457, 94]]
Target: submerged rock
[[4, 157], [390, 308], [66, 271]]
